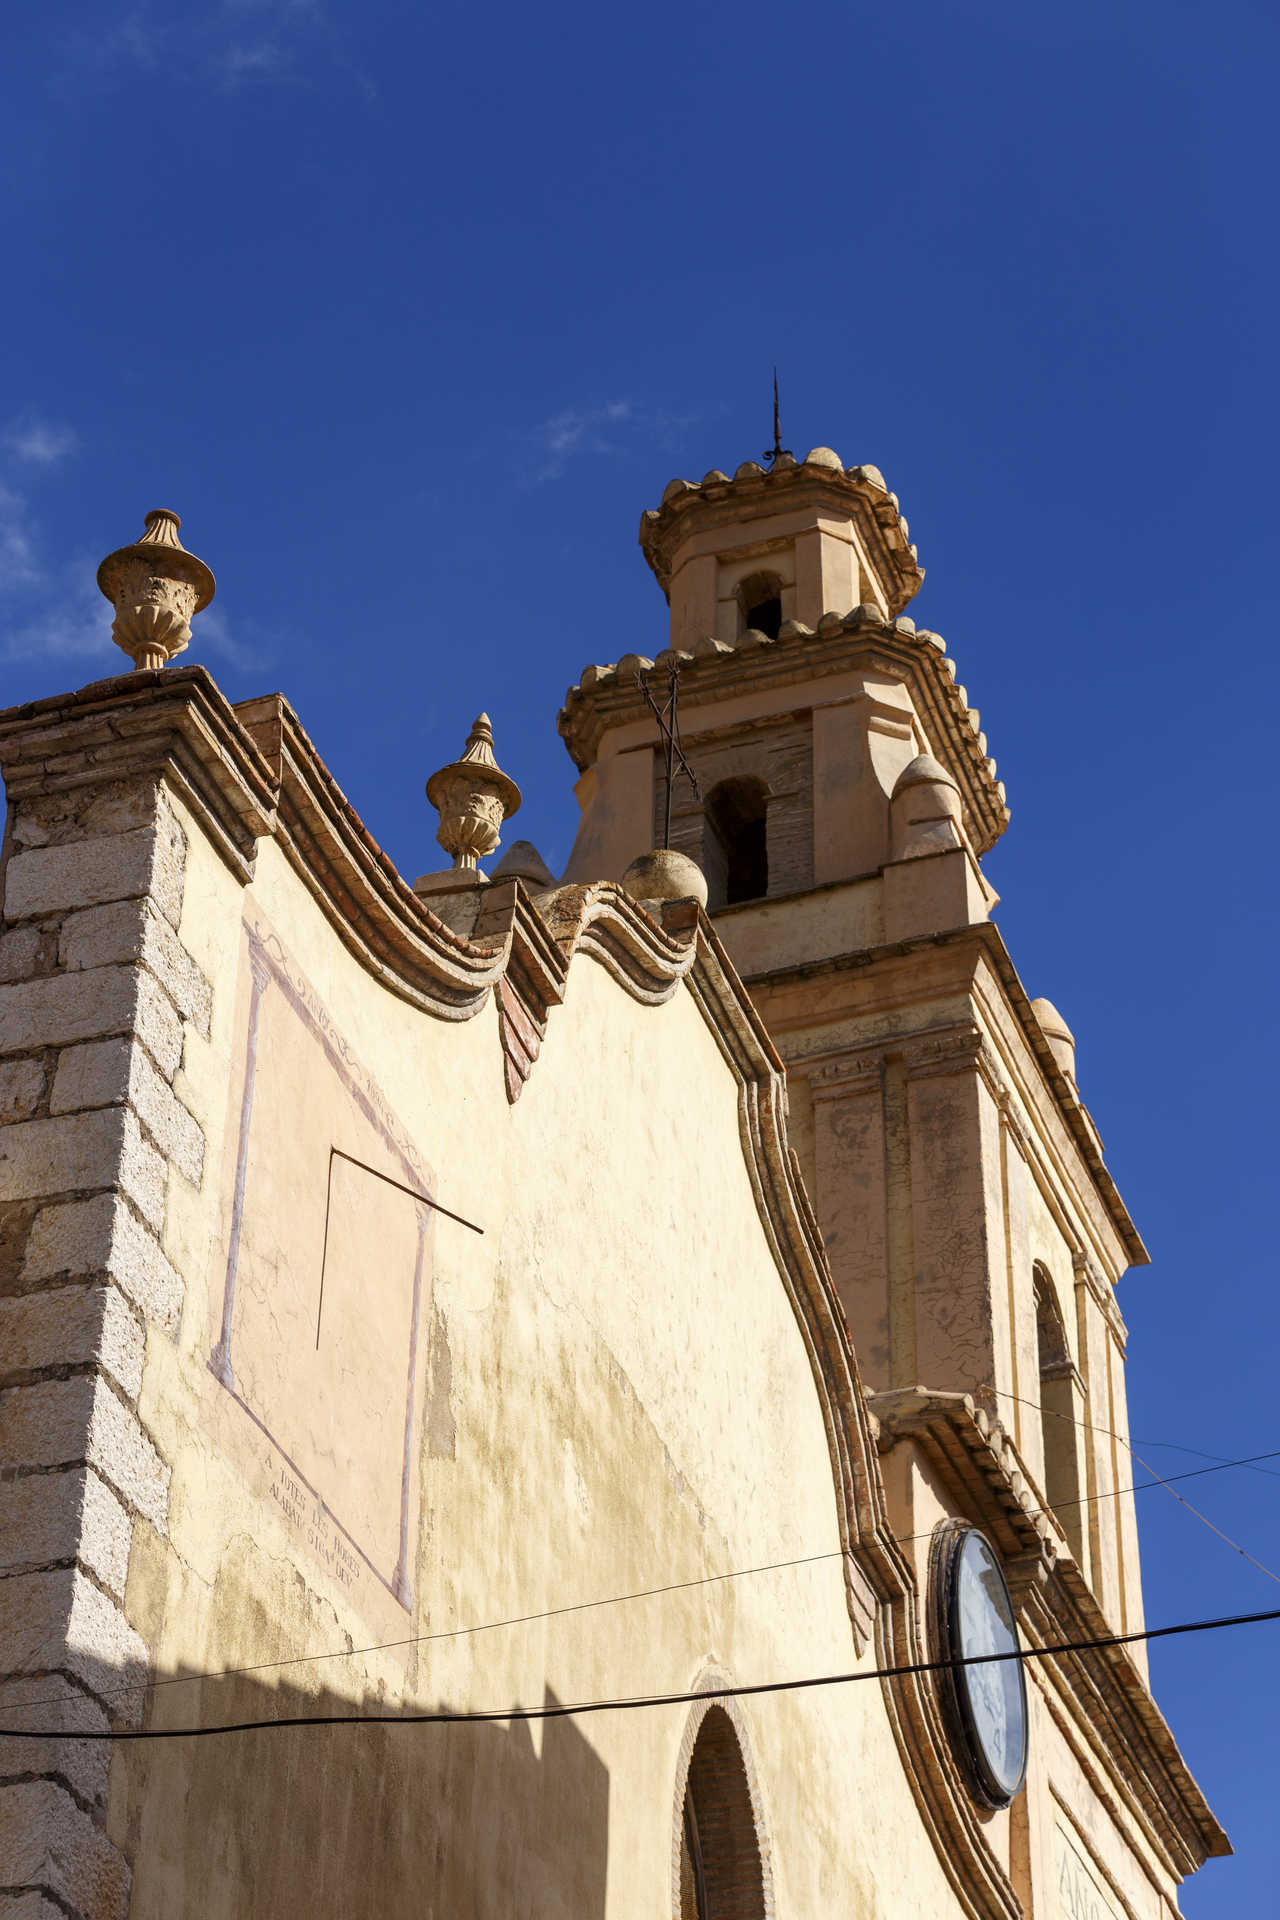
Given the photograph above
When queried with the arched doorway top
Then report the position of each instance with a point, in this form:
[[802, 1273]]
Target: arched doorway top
[[721, 1868]]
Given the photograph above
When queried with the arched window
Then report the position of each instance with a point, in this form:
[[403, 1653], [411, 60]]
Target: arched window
[[723, 1874], [760, 602], [1058, 1429], [735, 841]]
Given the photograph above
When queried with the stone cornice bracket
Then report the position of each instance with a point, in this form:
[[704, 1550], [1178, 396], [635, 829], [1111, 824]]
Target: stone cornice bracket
[[156, 588], [474, 798], [979, 1456]]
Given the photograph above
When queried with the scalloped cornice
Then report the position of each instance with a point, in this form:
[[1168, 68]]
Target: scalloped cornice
[[817, 482], [607, 696]]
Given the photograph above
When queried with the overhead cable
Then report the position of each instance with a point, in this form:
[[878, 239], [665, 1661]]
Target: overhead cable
[[628, 1703]]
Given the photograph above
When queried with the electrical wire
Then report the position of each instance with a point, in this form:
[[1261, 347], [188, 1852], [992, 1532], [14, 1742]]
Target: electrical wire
[[581, 1606], [628, 1703], [1148, 1468], [1091, 1426], [617, 1599]]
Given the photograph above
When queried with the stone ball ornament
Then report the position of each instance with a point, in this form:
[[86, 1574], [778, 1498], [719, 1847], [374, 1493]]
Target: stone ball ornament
[[665, 874], [473, 797], [156, 588]]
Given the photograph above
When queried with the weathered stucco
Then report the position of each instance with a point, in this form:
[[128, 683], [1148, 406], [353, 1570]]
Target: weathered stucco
[[408, 1310]]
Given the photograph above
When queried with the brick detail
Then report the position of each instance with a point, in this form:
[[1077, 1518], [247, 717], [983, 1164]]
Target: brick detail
[[781, 758], [105, 1072], [51, 1520], [65, 1007], [22, 1085], [129, 930], [715, 1771]]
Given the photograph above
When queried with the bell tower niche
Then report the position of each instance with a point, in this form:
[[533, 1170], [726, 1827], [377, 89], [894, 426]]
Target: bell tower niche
[[846, 799]]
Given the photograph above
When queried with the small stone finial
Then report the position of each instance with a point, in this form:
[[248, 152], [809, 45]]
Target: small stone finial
[[474, 797], [156, 588], [1062, 1042], [522, 861]]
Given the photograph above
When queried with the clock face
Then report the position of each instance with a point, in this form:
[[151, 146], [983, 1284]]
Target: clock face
[[991, 1698]]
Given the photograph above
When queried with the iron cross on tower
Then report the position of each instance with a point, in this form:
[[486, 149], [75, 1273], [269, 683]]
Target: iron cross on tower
[[667, 716]]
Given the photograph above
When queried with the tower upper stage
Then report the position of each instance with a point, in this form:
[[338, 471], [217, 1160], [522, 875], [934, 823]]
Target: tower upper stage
[[828, 538], [786, 590]]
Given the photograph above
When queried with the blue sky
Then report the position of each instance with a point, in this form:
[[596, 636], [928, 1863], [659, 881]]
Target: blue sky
[[410, 313]]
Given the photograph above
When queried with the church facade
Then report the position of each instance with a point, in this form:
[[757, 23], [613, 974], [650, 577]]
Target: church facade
[[632, 1359]]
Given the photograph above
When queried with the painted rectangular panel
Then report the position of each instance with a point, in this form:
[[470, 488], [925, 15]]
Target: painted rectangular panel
[[327, 1282]]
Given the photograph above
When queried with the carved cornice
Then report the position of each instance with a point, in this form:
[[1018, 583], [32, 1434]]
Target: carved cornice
[[980, 1460], [173, 724], [858, 642], [819, 483], [1129, 1753], [375, 914], [1102, 1294]]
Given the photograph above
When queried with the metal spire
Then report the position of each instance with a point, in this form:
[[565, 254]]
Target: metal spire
[[776, 451]]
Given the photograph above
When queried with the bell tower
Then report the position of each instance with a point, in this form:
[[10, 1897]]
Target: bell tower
[[846, 798]]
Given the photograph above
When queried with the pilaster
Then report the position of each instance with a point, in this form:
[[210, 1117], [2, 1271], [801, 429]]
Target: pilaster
[[97, 995]]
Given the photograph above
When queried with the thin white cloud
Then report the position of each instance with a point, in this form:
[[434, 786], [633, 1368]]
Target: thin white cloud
[[579, 430], [233, 45], [66, 617], [616, 428], [40, 443], [18, 566], [265, 60], [52, 609]]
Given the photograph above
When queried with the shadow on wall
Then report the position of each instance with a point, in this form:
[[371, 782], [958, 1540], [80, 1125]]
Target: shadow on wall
[[489, 1821]]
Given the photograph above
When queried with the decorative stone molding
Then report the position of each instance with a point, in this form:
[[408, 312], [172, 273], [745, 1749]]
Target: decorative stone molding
[[156, 588], [1129, 1755], [973, 946], [974, 1454], [977, 1455], [474, 796], [174, 726]]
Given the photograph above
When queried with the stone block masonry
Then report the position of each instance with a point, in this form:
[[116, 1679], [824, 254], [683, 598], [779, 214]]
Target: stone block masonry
[[96, 994]]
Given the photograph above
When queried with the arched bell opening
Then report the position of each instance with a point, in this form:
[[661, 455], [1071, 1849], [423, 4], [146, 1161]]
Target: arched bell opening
[[736, 841], [760, 604], [1058, 1429]]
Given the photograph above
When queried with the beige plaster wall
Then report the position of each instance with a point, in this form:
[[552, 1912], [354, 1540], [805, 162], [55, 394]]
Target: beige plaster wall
[[614, 1397]]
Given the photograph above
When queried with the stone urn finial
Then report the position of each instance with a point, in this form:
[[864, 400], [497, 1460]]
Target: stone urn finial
[[156, 587], [474, 797]]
